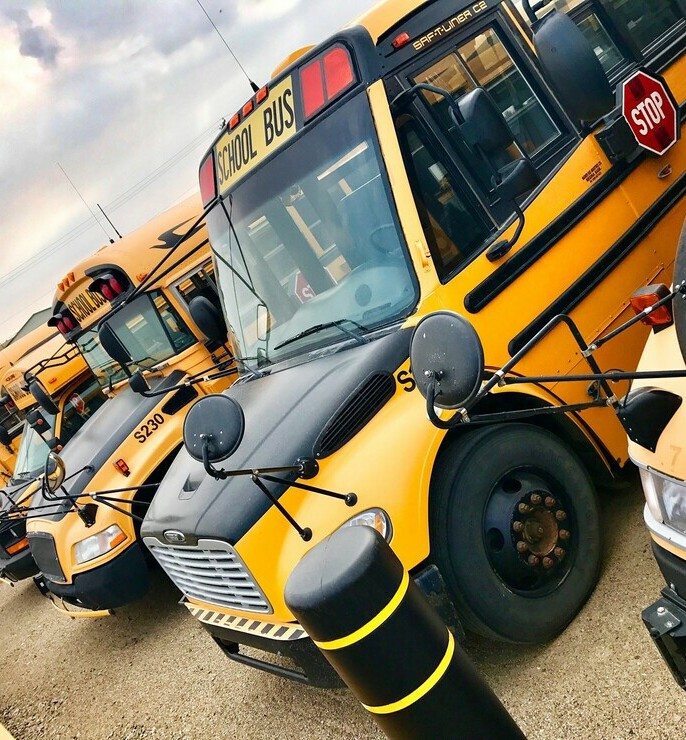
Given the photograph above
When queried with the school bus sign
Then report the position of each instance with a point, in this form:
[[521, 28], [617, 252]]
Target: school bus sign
[[651, 112], [240, 150]]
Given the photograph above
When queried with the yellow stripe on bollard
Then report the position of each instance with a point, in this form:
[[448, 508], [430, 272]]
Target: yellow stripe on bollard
[[420, 691], [372, 624]]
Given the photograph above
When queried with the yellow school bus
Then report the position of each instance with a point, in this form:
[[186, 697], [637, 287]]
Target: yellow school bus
[[11, 419], [431, 156], [656, 446], [138, 290], [54, 389]]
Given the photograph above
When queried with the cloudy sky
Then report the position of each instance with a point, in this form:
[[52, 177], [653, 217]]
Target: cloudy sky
[[125, 96]]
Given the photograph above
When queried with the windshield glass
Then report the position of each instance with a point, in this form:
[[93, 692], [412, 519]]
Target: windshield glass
[[33, 449], [315, 243], [149, 328], [79, 406]]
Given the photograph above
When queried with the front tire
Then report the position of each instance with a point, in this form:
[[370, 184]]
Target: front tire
[[515, 531]]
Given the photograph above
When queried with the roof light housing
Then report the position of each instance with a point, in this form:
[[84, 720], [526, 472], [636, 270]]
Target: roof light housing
[[325, 79], [208, 181], [64, 321], [110, 285]]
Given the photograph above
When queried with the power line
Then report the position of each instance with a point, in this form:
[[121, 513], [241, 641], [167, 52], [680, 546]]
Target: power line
[[247, 77]]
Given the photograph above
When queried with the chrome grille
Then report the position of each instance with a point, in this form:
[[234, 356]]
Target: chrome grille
[[210, 572]]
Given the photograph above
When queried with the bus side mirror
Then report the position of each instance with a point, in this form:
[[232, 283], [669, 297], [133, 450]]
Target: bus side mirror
[[113, 347], [263, 322], [42, 397], [53, 443], [5, 438], [54, 472], [138, 383], [208, 319], [447, 360], [487, 133], [37, 421], [572, 69], [213, 429]]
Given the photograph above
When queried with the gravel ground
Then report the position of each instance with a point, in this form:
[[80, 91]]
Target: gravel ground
[[152, 671]]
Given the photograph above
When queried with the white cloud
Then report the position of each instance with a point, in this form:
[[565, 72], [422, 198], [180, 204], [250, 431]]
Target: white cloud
[[133, 83]]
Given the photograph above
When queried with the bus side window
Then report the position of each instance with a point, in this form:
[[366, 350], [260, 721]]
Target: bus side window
[[646, 21], [484, 61], [200, 283], [450, 218]]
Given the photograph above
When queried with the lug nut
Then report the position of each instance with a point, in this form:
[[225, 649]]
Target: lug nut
[[518, 526], [559, 553], [564, 534], [534, 560], [548, 562], [550, 502], [522, 547], [560, 515], [539, 531], [524, 508], [536, 498]]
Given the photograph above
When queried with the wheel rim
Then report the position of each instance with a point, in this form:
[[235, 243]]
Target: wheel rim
[[529, 532]]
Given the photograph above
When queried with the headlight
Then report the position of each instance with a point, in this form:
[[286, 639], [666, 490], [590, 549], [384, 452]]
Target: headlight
[[98, 544], [666, 498], [376, 518]]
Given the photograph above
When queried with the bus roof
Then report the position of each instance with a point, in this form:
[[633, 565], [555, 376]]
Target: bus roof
[[377, 20], [53, 379], [137, 254], [17, 349]]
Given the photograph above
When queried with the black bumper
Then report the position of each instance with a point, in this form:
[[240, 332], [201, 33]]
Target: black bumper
[[114, 584], [310, 665], [19, 566], [665, 619]]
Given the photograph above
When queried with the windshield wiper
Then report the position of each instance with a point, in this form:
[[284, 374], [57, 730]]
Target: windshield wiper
[[320, 327]]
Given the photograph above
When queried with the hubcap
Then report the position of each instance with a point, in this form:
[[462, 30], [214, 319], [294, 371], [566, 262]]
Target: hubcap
[[528, 532]]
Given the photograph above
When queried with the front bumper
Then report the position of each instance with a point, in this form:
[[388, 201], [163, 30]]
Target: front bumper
[[292, 642], [18, 567], [120, 581], [665, 619]]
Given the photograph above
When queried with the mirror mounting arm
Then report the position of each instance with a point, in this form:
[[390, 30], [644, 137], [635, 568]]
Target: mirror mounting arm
[[502, 247], [404, 98], [531, 10]]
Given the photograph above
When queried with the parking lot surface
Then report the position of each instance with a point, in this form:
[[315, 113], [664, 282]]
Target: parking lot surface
[[151, 671]]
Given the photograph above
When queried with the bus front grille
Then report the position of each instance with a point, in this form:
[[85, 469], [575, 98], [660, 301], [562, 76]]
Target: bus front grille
[[211, 572], [45, 554]]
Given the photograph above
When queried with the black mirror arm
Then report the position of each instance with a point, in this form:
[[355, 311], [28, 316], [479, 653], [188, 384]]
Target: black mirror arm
[[531, 10], [209, 468], [404, 98], [502, 247], [459, 418]]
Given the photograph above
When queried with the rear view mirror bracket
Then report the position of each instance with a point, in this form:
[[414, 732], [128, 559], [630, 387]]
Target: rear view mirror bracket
[[532, 10]]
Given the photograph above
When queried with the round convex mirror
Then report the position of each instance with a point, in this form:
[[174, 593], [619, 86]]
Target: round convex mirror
[[446, 349], [217, 421], [54, 472]]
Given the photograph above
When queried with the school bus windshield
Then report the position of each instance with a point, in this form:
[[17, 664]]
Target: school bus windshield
[[309, 251], [81, 403], [33, 450], [149, 328]]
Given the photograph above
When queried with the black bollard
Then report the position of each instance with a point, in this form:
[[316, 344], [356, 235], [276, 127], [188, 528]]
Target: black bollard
[[373, 624]]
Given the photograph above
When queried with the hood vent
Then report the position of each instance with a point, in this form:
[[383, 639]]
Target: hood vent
[[355, 413]]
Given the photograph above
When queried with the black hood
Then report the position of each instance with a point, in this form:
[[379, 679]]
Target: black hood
[[302, 411], [101, 435]]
